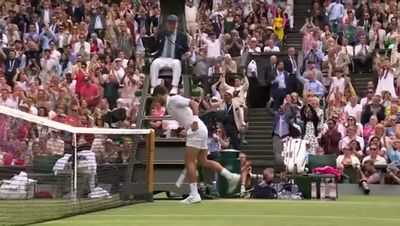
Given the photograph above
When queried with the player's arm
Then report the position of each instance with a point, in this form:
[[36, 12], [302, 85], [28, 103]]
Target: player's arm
[[195, 107]]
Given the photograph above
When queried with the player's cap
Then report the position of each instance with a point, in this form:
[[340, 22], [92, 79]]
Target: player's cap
[[159, 90], [172, 18]]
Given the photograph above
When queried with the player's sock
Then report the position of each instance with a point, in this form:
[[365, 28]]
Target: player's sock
[[228, 175], [193, 189]]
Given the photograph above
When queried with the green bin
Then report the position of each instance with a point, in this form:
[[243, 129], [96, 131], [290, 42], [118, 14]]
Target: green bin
[[229, 160]]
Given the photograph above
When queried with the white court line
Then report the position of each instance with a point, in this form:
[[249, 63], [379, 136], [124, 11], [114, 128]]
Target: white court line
[[244, 216], [295, 202]]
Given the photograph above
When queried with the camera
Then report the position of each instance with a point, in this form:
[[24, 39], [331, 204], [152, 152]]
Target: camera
[[364, 186]]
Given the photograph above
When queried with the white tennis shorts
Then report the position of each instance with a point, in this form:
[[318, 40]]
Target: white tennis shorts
[[198, 139]]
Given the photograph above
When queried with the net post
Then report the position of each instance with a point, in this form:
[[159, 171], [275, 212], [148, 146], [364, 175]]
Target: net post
[[75, 171], [151, 138]]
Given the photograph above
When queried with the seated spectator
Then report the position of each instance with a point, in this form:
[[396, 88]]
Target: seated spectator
[[373, 157], [352, 135], [393, 173], [173, 45], [351, 121], [217, 142], [348, 157], [55, 145], [330, 139], [377, 36], [353, 109], [228, 65], [253, 48], [158, 125], [271, 47], [368, 172], [375, 108], [10, 144], [394, 152], [368, 99]]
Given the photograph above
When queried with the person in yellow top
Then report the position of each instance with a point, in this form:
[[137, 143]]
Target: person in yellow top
[[279, 23], [393, 108]]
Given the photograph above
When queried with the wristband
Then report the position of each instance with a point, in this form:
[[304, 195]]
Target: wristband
[[196, 118]]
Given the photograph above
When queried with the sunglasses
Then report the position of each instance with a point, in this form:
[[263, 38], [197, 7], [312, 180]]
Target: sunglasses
[[373, 149]]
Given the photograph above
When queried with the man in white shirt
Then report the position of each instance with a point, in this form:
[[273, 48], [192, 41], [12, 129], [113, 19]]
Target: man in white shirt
[[374, 156], [271, 47], [353, 109], [368, 99], [5, 99], [335, 14], [82, 47], [352, 135], [185, 112], [213, 45], [191, 8], [253, 48], [362, 55], [124, 62], [54, 53]]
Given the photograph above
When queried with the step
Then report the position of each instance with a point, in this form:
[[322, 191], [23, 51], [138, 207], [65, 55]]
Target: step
[[260, 159], [258, 141], [250, 133], [260, 122], [260, 147], [258, 152], [258, 136]]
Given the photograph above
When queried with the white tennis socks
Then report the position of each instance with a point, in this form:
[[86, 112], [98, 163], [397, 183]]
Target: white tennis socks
[[193, 189]]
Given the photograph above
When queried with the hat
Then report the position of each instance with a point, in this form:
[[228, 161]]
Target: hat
[[24, 105], [230, 91], [253, 40], [117, 59], [54, 130], [270, 28], [172, 18]]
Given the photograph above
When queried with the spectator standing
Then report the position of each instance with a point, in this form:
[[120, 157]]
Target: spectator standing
[[335, 14], [280, 127], [234, 118], [330, 139], [279, 23], [280, 85]]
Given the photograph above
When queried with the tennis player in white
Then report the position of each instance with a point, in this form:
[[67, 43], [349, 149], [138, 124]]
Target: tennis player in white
[[185, 112]]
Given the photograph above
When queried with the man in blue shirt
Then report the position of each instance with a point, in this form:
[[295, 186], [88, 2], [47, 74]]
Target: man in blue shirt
[[312, 84], [280, 127]]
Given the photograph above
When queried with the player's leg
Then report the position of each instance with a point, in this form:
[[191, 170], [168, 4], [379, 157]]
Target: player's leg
[[191, 154]]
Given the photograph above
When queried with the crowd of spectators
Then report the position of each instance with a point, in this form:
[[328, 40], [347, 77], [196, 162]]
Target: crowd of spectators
[[341, 39], [82, 62]]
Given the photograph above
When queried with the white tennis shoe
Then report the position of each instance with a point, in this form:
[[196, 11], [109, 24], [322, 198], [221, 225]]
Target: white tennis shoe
[[192, 199], [233, 182]]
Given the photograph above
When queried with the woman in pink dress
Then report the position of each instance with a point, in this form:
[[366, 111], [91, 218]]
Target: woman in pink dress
[[369, 129]]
